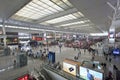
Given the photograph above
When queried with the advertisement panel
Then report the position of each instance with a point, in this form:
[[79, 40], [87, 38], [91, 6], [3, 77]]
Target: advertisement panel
[[69, 68], [37, 38], [88, 74]]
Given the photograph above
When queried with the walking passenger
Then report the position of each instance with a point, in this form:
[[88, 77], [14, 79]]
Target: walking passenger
[[79, 53], [60, 46], [93, 56]]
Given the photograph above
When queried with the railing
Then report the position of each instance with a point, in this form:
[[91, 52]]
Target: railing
[[42, 76], [61, 73]]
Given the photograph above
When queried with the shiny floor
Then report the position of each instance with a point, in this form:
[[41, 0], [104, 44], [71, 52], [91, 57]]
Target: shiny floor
[[6, 62]]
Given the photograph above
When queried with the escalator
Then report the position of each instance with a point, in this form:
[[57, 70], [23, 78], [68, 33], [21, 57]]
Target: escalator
[[43, 75], [60, 75], [47, 72], [47, 77]]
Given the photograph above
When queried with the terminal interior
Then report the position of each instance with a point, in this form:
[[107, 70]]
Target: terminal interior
[[59, 39]]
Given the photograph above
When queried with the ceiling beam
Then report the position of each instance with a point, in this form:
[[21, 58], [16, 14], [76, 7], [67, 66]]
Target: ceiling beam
[[56, 15], [76, 27], [13, 22], [69, 21], [84, 28], [18, 23], [33, 31], [87, 31], [21, 30], [79, 25]]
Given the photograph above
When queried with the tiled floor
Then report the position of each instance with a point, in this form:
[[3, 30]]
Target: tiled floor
[[65, 53]]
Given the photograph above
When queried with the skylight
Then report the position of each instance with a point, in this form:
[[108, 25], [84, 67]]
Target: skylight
[[65, 4], [37, 9], [79, 22], [72, 16], [60, 19], [78, 14]]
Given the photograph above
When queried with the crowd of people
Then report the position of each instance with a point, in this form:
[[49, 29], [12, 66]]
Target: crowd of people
[[107, 56], [42, 53]]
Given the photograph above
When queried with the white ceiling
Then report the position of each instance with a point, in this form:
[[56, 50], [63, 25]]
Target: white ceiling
[[9, 7], [98, 12]]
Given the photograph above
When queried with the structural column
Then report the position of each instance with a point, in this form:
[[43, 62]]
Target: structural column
[[111, 35], [4, 33], [55, 35], [44, 35]]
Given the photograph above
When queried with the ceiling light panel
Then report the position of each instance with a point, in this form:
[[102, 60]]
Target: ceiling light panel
[[67, 2], [60, 3], [53, 5], [61, 19], [78, 14], [79, 22], [65, 18], [77, 25]]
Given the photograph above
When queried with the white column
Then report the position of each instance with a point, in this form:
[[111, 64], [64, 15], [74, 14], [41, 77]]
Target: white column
[[44, 35], [111, 36], [4, 33], [87, 38], [55, 35], [30, 35], [62, 34]]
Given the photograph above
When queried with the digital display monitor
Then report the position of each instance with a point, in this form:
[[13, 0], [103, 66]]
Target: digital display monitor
[[88, 74], [116, 51]]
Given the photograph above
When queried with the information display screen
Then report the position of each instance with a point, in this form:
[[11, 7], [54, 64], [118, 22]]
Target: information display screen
[[88, 74], [116, 51]]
